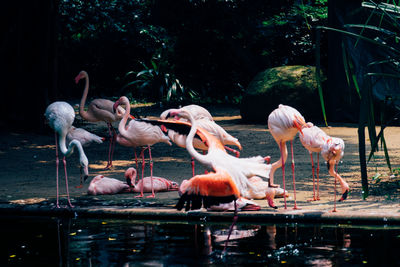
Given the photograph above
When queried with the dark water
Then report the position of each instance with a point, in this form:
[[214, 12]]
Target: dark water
[[31, 241]]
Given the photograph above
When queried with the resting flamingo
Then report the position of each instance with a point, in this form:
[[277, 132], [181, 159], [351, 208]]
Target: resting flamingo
[[139, 133], [99, 110], [60, 116], [101, 185], [332, 150], [160, 184], [85, 138], [284, 123], [206, 122]]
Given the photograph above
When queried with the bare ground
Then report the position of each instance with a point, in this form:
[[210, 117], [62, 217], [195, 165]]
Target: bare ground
[[27, 172]]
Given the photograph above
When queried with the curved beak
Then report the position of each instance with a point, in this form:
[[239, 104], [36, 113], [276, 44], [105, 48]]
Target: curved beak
[[77, 78], [84, 172], [116, 104]]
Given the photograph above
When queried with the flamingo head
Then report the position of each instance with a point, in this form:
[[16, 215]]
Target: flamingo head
[[81, 75], [116, 105], [84, 169], [130, 176], [182, 188], [170, 113]]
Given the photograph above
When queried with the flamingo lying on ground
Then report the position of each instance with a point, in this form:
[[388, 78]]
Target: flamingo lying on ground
[[99, 110], [284, 123], [139, 133], [60, 116], [332, 150], [85, 138], [101, 185], [206, 122]]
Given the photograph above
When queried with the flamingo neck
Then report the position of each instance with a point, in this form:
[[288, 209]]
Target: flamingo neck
[[203, 159], [122, 124], [68, 151], [82, 111]]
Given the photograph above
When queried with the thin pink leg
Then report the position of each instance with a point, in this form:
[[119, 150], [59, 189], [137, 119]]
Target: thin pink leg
[[57, 161], [205, 171], [283, 173], [109, 162], [334, 200], [318, 177], [192, 163], [151, 173], [136, 160], [66, 181], [313, 177], [237, 153], [294, 180], [143, 165]]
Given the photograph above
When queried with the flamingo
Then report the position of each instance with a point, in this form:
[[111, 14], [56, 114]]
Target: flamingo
[[284, 123], [101, 185], [60, 116], [99, 110], [206, 122], [313, 138], [85, 138], [332, 150], [159, 184], [139, 133]]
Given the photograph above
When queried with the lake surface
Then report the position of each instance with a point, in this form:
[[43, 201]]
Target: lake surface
[[43, 241]]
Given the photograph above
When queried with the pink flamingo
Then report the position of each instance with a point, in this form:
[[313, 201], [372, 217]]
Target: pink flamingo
[[99, 110], [138, 133], [332, 150], [313, 138], [284, 123], [206, 122], [145, 185], [60, 116], [101, 185]]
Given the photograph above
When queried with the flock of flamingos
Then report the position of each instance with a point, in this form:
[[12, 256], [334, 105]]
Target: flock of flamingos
[[233, 181]]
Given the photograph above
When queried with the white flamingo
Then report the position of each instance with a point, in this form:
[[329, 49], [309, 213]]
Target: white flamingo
[[60, 116]]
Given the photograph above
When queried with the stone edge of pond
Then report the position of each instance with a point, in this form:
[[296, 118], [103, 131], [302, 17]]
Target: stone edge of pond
[[170, 214]]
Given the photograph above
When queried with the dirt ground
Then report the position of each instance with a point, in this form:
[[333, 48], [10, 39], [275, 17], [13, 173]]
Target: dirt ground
[[27, 161]]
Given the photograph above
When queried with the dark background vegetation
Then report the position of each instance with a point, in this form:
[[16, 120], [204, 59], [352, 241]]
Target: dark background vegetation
[[213, 48]]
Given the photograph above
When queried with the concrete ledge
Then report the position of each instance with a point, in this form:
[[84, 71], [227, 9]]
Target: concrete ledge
[[168, 213]]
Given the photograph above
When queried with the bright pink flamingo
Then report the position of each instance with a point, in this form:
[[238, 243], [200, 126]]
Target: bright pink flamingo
[[332, 151], [99, 110], [60, 116], [145, 185], [284, 123], [205, 121], [138, 133]]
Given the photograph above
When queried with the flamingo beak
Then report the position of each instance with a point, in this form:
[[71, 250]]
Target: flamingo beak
[[85, 172], [116, 104], [77, 78]]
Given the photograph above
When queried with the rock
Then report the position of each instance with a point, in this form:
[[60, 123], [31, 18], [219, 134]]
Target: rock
[[295, 86]]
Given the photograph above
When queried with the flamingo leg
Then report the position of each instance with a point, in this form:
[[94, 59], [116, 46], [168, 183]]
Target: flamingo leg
[[66, 181], [283, 170], [343, 184], [143, 165], [237, 153], [334, 200], [57, 163], [235, 218], [313, 176], [318, 177], [136, 160], [151, 173], [110, 147], [205, 171], [294, 180], [192, 163]]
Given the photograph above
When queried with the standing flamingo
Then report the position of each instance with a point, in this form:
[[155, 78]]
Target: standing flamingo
[[332, 150], [284, 123], [139, 133], [313, 138], [60, 116], [99, 110], [206, 122]]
